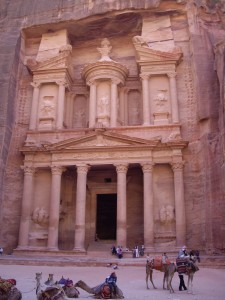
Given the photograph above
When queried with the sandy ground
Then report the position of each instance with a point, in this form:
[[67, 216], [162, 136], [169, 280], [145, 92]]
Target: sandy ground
[[209, 284]]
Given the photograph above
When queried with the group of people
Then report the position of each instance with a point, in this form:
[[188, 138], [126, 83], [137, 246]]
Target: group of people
[[118, 251]]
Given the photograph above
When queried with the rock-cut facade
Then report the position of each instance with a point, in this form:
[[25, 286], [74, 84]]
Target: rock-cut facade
[[112, 125]]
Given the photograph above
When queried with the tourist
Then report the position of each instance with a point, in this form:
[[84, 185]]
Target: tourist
[[113, 250], [1, 250]]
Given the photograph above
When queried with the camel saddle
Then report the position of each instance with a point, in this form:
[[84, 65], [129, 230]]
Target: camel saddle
[[157, 264], [6, 284], [182, 265]]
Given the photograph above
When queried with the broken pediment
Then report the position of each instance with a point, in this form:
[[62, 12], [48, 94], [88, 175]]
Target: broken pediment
[[102, 140], [56, 62], [146, 54]]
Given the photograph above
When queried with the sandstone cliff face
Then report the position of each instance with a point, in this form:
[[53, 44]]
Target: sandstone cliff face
[[198, 27]]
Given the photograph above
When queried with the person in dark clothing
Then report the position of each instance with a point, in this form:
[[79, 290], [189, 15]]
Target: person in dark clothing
[[182, 253], [182, 283], [111, 280]]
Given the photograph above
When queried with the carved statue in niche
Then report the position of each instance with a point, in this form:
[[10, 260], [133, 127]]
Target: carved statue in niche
[[161, 99], [47, 107], [105, 49], [135, 113], [80, 117], [40, 216], [103, 106], [166, 214]]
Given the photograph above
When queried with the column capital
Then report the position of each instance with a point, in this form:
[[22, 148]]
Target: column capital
[[172, 74], [28, 169], [57, 170], [177, 166], [147, 166], [61, 82], [35, 84], [121, 168], [115, 81], [144, 76], [82, 168], [91, 82]]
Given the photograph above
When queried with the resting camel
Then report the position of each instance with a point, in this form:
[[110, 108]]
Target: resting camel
[[189, 268], [50, 293], [102, 291], [8, 290]]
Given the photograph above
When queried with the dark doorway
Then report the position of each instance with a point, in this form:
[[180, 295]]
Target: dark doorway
[[106, 216]]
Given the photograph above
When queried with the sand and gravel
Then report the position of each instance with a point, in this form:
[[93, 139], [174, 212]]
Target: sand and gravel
[[209, 284]]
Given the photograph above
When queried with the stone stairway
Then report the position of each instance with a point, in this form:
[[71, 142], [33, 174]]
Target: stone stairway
[[100, 248]]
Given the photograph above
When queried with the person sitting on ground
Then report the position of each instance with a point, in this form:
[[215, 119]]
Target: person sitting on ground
[[113, 249], [111, 280]]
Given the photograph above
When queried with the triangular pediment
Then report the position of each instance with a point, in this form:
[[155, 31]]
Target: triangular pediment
[[98, 140], [146, 54], [57, 62]]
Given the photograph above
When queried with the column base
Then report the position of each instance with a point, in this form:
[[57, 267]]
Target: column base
[[52, 248]]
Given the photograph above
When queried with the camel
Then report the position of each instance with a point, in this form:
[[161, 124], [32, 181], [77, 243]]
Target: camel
[[8, 290], [102, 291], [50, 293], [190, 268], [151, 265]]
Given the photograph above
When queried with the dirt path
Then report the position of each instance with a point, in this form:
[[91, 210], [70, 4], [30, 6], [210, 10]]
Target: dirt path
[[209, 284]]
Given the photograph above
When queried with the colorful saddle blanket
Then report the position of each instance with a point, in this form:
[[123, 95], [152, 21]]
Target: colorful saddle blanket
[[156, 263], [6, 284], [182, 265]]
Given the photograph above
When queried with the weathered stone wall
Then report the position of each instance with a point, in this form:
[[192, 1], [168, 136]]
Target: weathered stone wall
[[204, 170]]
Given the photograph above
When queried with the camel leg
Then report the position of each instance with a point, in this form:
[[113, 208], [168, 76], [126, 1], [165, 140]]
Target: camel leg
[[149, 274], [165, 279], [190, 283], [169, 280]]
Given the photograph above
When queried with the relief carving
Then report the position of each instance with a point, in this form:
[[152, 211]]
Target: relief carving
[[40, 216], [161, 99], [104, 50], [103, 105], [166, 214], [47, 107]]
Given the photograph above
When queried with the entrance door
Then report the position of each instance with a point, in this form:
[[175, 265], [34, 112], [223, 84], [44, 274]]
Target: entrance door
[[106, 216]]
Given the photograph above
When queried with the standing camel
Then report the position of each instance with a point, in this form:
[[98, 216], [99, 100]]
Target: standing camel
[[189, 268], [156, 264], [102, 291], [8, 290]]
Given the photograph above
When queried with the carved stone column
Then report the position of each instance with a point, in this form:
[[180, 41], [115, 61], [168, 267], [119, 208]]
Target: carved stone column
[[113, 110], [179, 203], [146, 102], [80, 208], [121, 204], [92, 104], [147, 169], [60, 105], [53, 227], [173, 96], [34, 107], [28, 186]]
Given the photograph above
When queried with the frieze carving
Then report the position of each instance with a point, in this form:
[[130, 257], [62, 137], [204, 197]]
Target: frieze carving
[[40, 216]]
